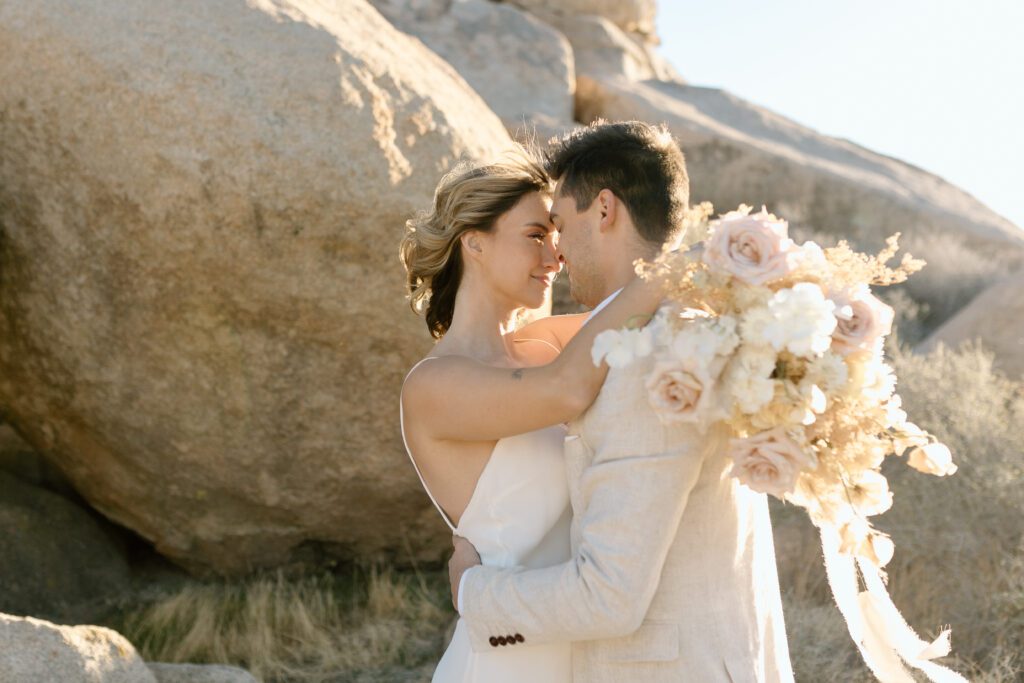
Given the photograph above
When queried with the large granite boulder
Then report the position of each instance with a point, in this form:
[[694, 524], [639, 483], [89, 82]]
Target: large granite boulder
[[202, 316], [520, 66], [57, 559], [19, 459], [609, 39], [996, 318], [738, 153], [633, 16], [199, 673], [36, 650]]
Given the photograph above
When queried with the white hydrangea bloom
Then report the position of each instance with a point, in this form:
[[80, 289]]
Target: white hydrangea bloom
[[748, 378], [700, 340], [619, 348], [828, 371], [799, 319]]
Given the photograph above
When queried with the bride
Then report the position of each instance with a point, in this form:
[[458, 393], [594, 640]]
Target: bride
[[483, 414]]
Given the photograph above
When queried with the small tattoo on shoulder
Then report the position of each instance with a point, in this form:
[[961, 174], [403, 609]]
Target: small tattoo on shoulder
[[517, 374]]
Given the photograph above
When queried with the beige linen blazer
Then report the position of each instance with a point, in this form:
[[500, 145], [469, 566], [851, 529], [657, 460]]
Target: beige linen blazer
[[673, 576]]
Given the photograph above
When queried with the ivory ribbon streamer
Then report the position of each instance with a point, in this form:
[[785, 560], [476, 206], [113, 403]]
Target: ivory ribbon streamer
[[885, 640]]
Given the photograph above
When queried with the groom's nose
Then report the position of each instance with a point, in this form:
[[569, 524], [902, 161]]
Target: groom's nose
[[553, 257], [559, 256]]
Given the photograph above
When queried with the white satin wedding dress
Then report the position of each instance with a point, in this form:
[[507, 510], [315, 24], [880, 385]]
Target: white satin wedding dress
[[518, 515]]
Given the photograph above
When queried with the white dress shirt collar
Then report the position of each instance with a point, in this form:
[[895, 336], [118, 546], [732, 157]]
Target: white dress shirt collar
[[604, 303]]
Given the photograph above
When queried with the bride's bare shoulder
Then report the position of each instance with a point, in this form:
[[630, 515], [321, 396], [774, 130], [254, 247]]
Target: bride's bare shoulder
[[555, 330], [423, 378]]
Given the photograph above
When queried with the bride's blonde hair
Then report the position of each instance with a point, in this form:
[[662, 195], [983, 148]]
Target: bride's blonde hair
[[469, 197]]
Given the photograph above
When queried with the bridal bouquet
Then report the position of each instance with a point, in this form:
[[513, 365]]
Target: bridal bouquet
[[783, 342]]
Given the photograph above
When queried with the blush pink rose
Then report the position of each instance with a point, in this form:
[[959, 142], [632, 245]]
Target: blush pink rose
[[769, 462], [861, 325], [755, 249], [678, 394]]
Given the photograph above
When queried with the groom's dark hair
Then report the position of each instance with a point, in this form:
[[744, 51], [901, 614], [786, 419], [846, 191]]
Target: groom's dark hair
[[639, 163]]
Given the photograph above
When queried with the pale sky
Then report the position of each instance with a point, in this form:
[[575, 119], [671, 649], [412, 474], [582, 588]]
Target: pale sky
[[936, 83]]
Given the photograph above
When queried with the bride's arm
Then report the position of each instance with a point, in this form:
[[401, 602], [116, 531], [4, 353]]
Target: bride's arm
[[459, 398]]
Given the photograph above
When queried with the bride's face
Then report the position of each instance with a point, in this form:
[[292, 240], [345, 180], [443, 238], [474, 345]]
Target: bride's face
[[519, 257]]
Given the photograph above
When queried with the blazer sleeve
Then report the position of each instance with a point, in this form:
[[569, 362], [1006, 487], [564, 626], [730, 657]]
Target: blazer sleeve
[[633, 495]]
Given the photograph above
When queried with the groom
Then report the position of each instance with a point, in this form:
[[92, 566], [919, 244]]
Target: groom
[[673, 574]]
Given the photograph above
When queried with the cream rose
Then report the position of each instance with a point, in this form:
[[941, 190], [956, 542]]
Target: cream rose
[[679, 394], [861, 320], [934, 458], [755, 249], [769, 462]]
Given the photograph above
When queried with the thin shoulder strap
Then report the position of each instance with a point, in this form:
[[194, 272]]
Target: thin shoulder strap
[[542, 341], [401, 424]]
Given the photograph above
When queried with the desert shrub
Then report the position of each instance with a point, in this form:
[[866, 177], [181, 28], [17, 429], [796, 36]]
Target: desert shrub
[[910, 322], [957, 271]]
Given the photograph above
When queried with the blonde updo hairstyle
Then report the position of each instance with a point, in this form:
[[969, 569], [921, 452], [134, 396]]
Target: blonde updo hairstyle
[[469, 197]]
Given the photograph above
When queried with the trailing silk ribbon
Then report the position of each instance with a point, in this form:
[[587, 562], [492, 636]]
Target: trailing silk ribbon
[[885, 640]]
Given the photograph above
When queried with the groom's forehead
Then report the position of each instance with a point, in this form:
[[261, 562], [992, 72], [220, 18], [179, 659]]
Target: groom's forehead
[[558, 201]]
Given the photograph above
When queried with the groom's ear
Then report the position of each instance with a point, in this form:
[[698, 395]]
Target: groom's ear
[[608, 207]]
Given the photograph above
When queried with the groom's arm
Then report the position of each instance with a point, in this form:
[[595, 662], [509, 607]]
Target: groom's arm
[[634, 494]]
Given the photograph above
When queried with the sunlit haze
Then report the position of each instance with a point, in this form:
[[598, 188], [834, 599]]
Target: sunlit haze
[[938, 84]]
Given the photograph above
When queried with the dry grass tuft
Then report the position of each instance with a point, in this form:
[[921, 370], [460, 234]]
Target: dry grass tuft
[[374, 625]]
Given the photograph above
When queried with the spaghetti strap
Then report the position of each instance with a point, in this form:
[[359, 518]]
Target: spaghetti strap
[[401, 424], [542, 341]]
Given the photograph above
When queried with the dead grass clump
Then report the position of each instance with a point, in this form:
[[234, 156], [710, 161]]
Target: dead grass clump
[[372, 625]]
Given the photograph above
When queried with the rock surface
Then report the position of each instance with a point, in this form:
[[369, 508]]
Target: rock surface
[[21, 460], [199, 673], [996, 317], [202, 317], [56, 558], [609, 39], [36, 650], [520, 66], [632, 16], [202, 320]]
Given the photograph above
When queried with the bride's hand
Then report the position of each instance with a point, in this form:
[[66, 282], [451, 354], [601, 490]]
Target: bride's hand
[[463, 557]]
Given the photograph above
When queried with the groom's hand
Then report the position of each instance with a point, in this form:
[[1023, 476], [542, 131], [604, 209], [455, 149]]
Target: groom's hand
[[464, 557]]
